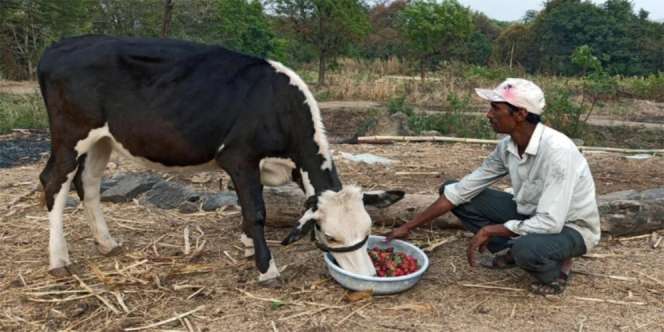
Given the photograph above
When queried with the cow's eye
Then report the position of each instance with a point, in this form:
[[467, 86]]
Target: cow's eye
[[330, 239]]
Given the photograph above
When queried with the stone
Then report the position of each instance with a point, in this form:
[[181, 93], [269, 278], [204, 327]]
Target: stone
[[213, 201], [129, 186], [169, 195]]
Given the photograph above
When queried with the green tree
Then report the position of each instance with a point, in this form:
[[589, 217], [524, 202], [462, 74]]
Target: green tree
[[433, 29], [29, 26], [329, 26], [243, 26]]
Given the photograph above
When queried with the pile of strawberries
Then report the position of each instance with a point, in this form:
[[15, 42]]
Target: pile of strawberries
[[392, 264]]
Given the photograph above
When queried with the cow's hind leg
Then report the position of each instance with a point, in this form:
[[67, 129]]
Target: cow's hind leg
[[246, 178], [56, 179], [88, 183]]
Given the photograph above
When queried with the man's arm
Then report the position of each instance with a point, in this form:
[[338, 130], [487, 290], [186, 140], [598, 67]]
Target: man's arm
[[441, 206]]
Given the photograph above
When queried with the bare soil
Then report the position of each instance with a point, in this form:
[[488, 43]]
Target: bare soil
[[619, 286]]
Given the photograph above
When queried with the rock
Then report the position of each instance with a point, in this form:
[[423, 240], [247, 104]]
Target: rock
[[578, 141], [367, 158], [129, 186], [188, 207], [71, 202], [214, 201], [619, 195], [169, 195], [640, 156], [393, 125]]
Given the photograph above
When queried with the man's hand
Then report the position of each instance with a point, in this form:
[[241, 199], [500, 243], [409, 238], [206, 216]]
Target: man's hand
[[397, 233], [477, 243], [481, 240]]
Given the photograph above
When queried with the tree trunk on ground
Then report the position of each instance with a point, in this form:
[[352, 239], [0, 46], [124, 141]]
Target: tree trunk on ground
[[285, 206], [621, 213], [168, 14]]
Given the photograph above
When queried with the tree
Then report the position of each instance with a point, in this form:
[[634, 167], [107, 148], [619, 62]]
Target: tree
[[29, 26], [384, 39], [433, 29], [243, 26], [330, 26]]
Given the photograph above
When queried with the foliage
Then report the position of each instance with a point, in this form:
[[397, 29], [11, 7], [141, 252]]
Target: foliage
[[243, 26], [21, 111], [329, 26], [453, 122], [399, 105], [648, 87], [434, 29]]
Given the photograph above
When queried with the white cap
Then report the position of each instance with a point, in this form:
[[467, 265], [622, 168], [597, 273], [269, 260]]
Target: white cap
[[518, 92]]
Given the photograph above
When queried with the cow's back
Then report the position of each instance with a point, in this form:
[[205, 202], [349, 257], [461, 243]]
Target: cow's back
[[183, 97]]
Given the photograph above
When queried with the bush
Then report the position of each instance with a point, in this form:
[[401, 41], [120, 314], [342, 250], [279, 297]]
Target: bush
[[649, 87], [564, 115], [453, 122], [398, 104]]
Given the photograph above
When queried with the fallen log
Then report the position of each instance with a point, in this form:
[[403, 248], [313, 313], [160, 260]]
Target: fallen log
[[285, 204], [621, 213]]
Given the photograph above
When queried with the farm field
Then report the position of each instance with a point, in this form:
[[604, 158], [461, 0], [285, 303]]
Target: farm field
[[618, 287]]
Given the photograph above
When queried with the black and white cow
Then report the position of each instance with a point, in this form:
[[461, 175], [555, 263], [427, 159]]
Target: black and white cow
[[179, 105]]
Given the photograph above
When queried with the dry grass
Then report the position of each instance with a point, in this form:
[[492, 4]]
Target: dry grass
[[154, 282]]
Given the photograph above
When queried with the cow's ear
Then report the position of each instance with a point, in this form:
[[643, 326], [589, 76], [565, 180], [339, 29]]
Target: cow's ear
[[381, 198], [306, 225]]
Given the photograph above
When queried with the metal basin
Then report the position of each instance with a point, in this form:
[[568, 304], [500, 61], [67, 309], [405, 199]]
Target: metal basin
[[380, 285]]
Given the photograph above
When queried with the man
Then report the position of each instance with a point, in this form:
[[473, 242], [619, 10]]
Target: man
[[552, 215]]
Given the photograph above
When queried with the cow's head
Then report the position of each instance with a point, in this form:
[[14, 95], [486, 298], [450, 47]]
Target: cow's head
[[341, 225]]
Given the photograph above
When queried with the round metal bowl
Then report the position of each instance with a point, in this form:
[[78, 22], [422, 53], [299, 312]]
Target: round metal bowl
[[380, 285]]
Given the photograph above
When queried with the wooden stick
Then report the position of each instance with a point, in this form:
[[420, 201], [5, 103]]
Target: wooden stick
[[638, 237], [513, 311], [99, 297], [493, 287], [420, 139], [416, 173], [166, 321], [274, 326], [351, 314], [591, 299], [187, 244], [661, 283], [120, 299]]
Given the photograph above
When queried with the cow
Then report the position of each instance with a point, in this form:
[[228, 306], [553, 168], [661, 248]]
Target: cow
[[176, 105]]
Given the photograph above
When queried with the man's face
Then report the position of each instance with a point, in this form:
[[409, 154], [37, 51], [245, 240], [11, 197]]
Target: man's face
[[502, 120]]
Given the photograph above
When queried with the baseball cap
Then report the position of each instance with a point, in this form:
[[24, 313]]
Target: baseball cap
[[518, 92]]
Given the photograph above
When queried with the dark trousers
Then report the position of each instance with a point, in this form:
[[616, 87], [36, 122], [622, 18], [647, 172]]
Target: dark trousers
[[539, 254]]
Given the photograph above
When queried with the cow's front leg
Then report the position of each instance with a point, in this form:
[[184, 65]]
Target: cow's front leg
[[246, 178]]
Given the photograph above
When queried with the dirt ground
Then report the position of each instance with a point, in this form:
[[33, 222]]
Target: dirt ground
[[619, 286]]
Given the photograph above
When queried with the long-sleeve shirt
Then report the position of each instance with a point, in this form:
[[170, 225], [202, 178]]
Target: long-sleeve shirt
[[551, 183]]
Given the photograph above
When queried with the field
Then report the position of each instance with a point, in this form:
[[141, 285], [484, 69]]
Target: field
[[156, 284], [619, 286]]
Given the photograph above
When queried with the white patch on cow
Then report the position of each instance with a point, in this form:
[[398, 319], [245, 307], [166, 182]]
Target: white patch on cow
[[248, 245], [271, 273], [344, 220], [276, 171], [96, 134], [220, 148], [306, 183], [319, 129], [93, 170], [57, 244]]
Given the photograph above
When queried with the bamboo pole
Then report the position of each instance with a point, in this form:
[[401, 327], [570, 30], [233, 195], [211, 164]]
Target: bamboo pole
[[422, 139]]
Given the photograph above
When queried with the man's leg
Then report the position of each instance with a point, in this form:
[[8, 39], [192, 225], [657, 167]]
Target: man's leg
[[490, 207], [547, 256]]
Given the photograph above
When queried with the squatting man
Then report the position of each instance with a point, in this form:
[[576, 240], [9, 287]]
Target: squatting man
[[551, 216]]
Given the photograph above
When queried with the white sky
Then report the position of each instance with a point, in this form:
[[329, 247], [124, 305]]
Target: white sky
[[511, 10]]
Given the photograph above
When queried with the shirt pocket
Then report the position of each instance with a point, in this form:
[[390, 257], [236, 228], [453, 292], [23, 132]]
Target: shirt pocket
[[530, 192]]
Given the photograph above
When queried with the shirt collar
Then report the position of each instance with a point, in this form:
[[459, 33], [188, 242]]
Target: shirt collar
[[533, 144]]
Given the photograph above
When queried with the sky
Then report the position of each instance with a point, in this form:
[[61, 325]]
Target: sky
[[512, 10]]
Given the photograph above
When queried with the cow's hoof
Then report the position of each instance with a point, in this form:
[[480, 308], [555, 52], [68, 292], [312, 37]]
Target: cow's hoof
[[112, 252], [60, 272], [271, 283]]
